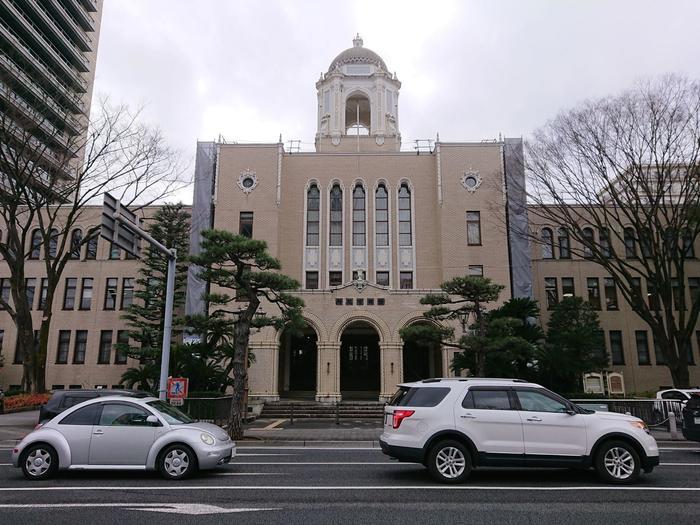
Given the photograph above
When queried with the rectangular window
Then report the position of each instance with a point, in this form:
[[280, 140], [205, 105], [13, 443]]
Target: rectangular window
[[111, 293], [338, 301], [643, 357], [652, 296], [551, 292], [5, 291], [381, 217], [605, 248], [476, 270], [103, 357], [694, 289], [406, 280], [370, 302], [678, 294], [30, 288], [636, 285], [335, 278], [383, 278], [245, 224], [115, 252], [120, 354], [359, 301], [127, 292], [567, 287], [474, 228], [348, 301], [312, 280], [358, 217], [69, 293], [43, 293], [616, 351], [86, 294], [658, 354], [593, 292], [63, 347], [80, 347], [380, 301], [610, 294], [91, 250]]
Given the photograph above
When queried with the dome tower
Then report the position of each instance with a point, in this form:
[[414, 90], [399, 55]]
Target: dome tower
[[358, 103]]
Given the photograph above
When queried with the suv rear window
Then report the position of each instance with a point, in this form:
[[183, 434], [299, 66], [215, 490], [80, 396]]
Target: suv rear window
[[419, 396], [69, 401]]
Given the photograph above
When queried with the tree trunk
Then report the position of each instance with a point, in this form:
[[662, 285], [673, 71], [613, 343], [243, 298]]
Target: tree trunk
[[679, 374], [240, 344], [39, 368]]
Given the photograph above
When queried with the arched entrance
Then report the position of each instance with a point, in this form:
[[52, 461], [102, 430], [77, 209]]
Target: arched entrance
[[358, 114], [359, 362], [298, 362], [421, 361]]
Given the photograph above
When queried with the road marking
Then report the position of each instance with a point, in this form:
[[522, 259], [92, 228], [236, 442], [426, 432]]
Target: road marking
[[248, 474], [680, 449], [679, 464], [273, 424], [271, 454], [284, 463], [171, 508], [173, 488]]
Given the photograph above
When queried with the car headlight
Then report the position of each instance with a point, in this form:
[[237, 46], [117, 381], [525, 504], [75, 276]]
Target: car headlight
[[207, 439], [640, 425]]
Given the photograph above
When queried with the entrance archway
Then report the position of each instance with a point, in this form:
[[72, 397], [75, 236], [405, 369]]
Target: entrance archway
[[298, 363], [359, 362], [421, 361]]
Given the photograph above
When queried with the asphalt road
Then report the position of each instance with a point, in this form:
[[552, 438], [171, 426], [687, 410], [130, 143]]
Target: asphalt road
[[352, 485]]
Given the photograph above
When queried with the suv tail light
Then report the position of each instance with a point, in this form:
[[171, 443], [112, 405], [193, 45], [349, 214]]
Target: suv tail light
[[400, 415]]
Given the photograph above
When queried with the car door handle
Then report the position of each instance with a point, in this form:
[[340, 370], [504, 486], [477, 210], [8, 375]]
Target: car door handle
[[98, 431], [467, 416], [535, 418]]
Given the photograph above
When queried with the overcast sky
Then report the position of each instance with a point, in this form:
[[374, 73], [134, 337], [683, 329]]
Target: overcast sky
[[469, 70]]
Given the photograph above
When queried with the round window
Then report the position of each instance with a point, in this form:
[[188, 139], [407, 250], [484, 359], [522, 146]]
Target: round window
[[248, 182], [470, 182]]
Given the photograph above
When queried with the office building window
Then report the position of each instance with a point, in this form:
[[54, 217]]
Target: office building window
[[588, 241], [547, 243], [91, 250], [115, 253], [567, 287], [694, 289], [688, 247], [69, 293], [53, 243], [86, 294], [5, 291], [121, 353], [312, 280], [564, 243], [610, 294], [630, 244], [383, 278], [105, 351], [43, 293], [111, 293], [474, 228], [245, 224], [636, 286], [63, 347], [36, 242], [127, 292], [551, 292], [405, 227], [76, 238], [605, 247], [643, 357], [30, 289], [678, 292], [652, 296], [313, 213], [336, 217], [381, 218], [645, 242], [476, 270], [80, 347], [358, 217], [616, 351], [406, 280], [593, 286], [335, 278]]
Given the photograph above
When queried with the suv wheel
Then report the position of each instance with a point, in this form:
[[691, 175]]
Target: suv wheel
[[449, 462], [39, 462], [177, 462], [617, 462]]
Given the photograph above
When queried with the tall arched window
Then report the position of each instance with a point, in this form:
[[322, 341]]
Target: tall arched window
[[36, 245], [359, 230], [630, 244], [547, 243], [588, 241], [76, 237], [313, 205], [688, 241], [91, 251], [336, 225], [405, 233], [381, 217], [564, 246], [53, 243]]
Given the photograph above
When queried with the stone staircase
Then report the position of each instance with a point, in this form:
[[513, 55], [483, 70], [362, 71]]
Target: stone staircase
[[287, 409]]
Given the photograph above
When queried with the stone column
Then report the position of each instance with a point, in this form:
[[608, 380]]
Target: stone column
[[328, 373], [263, 374], [391, 358]]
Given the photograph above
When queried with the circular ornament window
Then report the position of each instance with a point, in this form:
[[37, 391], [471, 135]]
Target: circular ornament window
[[471, 180], [247, 181]]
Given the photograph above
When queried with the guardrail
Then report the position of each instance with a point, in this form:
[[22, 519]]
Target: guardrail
[[654, 412], [210, 409]]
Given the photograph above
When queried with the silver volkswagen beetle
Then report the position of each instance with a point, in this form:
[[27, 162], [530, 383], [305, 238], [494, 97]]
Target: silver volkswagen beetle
[[123, 433]]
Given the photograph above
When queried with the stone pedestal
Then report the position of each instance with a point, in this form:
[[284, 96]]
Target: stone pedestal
[[391, 369], [263, 377], [328, 373]]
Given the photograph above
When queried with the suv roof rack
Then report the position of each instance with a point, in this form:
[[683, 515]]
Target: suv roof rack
[[438, 379]]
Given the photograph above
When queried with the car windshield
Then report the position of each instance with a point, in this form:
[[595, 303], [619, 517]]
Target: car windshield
[[171, 414]]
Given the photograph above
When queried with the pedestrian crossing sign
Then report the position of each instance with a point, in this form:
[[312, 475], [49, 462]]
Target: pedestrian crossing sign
[[177, 387]]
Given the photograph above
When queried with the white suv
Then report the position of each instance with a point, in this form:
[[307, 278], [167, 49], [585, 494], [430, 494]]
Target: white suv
[[453, 425]]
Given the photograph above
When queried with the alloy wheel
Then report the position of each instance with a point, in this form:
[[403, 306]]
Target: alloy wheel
[[450, 462], [38, 462], [619, 463]]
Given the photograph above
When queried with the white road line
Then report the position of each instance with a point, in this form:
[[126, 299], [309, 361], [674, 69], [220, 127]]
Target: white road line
[[679, 449], [273, 424], [679, 464], [331, 463], [271, 454]]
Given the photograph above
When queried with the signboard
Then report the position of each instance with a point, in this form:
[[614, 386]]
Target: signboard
[[177, 387], [177, 401], [118, 231]]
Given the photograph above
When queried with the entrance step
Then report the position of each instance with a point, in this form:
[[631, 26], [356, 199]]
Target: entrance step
[[311, 409]]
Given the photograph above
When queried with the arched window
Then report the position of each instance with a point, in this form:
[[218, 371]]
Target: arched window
[[358, 217], [381, 218], [547, 243], [313, 206], [91, 251], [36, 245], [405, 233], [630, 244], [604, 239], [76, 238], [688, 248], [564, 246], [53, 243], [588, 238], [336, 226]]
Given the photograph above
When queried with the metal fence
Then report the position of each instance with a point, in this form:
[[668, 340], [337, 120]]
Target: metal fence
[[211, 409], [654, 412]]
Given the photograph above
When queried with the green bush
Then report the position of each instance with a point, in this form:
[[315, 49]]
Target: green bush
[[11, 393]]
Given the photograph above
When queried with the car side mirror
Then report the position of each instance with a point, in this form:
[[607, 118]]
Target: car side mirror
[[571, 412], [153, 421]]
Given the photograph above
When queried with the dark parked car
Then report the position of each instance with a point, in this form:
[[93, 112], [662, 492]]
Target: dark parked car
[[691, 418], [64, 399]]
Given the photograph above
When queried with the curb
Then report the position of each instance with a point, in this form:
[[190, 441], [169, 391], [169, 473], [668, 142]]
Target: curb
[[310, 443]]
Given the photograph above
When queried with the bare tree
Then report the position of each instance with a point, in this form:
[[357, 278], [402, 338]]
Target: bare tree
[[47, 177], [620, 178]]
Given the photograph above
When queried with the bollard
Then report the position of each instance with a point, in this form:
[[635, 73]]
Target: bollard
[[672, 425], [337, 413], [291, 413]]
